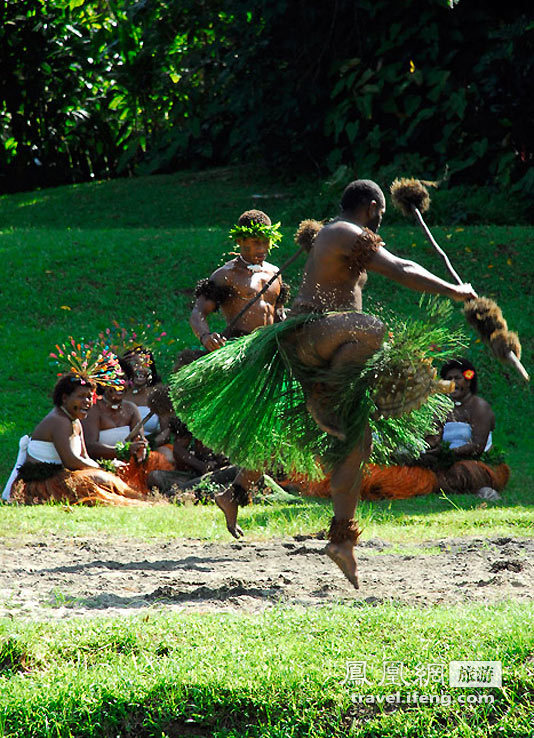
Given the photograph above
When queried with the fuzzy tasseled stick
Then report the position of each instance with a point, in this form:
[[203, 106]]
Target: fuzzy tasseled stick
[[411, 197], [486, 317], [306, 233], [409, 193]]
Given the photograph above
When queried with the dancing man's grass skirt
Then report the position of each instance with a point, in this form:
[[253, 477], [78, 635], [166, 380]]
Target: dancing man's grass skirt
[[247, 400]]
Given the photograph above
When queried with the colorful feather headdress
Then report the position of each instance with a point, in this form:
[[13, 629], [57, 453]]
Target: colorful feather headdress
[[90, 362], [136, 339]]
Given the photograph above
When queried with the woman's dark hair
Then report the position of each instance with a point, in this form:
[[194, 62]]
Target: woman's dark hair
[[66, 386], [126, 366], [463, 365]]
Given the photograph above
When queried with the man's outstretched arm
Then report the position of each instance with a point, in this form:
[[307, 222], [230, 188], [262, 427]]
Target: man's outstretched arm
[[415, 277]]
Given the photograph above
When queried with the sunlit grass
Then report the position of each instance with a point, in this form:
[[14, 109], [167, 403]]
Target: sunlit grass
[[74, 259], [401, 522], [281, 673]]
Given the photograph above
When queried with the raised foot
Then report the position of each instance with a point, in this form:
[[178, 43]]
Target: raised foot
[[342, 554], [229, 506], [320, 409]]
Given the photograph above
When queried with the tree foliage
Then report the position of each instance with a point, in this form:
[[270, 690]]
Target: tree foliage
[[99, 88]]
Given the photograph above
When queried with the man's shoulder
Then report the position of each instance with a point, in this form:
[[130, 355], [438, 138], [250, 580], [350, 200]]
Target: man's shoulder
[[271, 268], [337, 238], [340, 226], [339, 233], [224, 273]]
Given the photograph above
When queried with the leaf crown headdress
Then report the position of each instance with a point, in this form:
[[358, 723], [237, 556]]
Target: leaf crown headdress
[[254, 229]]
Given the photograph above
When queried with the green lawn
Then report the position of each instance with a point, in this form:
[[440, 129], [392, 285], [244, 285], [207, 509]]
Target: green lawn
[[282, 673], [76, 258]]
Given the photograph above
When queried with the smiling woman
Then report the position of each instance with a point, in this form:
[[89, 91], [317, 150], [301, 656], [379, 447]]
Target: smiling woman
[[53, 465]]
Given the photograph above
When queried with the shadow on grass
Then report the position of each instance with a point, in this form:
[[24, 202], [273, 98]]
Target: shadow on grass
[[161, 201], [190, 563], [170, 594]]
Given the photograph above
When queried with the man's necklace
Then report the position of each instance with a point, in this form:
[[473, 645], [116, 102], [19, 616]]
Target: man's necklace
[[252, 267]]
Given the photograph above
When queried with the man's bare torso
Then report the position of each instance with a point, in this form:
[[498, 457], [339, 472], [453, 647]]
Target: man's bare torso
[[331, 280], [245, 286]]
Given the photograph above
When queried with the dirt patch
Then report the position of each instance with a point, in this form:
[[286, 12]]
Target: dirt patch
[[59, 578]]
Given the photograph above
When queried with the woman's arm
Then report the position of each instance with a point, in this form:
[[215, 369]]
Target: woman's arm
[[91, 430], [482, 421], [61, 434]]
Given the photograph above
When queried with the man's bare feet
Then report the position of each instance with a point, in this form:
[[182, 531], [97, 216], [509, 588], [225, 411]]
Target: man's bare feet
[[342, 554], [320, 408], [228, 504]]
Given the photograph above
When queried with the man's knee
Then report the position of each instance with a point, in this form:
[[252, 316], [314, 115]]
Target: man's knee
[[375, 330], [366, 327]]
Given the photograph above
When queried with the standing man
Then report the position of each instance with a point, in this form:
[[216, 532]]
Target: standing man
[[229, 289], [332, 340], [334, 277], [231, 286]]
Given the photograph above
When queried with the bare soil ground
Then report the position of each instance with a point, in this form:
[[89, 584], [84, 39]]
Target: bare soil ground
[[57, 578]]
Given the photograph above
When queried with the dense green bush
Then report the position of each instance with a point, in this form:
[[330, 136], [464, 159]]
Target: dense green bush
[[96, 89]]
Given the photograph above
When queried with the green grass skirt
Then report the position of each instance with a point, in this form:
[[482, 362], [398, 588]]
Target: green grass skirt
[[246, 400]]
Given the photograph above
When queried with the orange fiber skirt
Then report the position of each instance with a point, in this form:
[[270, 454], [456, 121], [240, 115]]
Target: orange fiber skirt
[[378, 483], [403, 482], [135, 473], [80, 487]]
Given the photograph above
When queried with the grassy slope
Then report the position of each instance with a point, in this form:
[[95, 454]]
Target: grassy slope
[[127, 248], [75, 258]]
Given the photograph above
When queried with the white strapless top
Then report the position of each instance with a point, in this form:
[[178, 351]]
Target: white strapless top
[[457, 434], [111, 436], [152, 425], [46, 451]]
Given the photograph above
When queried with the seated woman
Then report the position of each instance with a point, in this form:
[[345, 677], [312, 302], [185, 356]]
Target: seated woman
[[54, 463], [108, 424], [455, 461], [139, 367], [457, 452], [140, 370]]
